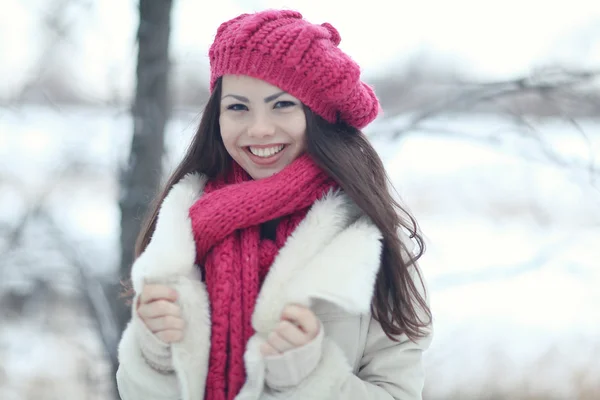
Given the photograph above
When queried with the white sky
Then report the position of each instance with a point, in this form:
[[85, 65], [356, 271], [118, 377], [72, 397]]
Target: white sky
[[489, 38]]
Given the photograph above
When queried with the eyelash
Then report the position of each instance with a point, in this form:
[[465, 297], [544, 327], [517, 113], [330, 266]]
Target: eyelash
[[286, 103], [243, 107], [235, 107]]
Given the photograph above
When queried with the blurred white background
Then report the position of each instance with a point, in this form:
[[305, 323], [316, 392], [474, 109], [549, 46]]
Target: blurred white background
[[490, 134]]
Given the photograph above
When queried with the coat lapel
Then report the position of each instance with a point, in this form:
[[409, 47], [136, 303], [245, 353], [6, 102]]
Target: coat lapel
[[333, 255], [169, 259]]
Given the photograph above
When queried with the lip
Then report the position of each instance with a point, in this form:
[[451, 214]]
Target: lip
[[265, 161]]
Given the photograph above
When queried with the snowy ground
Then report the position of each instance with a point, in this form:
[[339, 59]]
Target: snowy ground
[[511, 261]]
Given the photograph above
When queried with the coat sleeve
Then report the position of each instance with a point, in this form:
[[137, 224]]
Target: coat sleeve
[[144, 365], [389, 370]]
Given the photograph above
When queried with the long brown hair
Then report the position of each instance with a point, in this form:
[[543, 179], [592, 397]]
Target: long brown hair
[[346, 155]]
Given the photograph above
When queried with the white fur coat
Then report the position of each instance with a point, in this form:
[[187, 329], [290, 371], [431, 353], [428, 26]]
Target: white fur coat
[[334, 255]]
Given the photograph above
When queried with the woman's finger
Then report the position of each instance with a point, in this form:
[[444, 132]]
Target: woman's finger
[[267, 350], [153, 292], [170, 336], [164, 324], [159, 308], [292, 334], [279, 343], [303, 317]]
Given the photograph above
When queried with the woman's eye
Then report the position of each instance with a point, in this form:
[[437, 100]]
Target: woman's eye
[[237, 107], [284, 104]]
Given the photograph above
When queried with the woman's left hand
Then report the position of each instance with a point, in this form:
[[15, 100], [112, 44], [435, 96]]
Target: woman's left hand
[[298, 326]]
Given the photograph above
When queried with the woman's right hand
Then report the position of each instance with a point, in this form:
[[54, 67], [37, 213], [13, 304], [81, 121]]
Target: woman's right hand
[[159, 311]]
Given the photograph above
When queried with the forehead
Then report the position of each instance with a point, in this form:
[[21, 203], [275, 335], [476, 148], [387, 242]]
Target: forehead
[[247, 84]]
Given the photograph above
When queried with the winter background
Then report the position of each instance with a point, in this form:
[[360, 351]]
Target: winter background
[[509, 207]]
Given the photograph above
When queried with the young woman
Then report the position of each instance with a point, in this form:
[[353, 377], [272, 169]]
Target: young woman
[[275, 263]]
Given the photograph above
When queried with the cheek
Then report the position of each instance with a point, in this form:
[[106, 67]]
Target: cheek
[[227, 133], [297, 129]]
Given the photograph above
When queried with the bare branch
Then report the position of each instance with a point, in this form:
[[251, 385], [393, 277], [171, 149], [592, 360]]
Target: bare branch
[[475, 93]]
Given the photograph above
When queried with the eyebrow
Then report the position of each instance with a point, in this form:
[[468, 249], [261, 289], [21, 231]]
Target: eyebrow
[[245, 99]]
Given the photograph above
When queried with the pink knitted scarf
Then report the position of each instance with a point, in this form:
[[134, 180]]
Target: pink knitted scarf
[[235, 258]]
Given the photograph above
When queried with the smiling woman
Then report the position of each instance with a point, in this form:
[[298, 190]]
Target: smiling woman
[[275, 263], [263, 128]]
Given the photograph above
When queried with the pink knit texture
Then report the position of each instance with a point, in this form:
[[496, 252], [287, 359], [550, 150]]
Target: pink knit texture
[[301, 58], [226, 225]]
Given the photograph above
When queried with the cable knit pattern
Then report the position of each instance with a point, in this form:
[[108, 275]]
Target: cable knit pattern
[[226, 226], [280, 47]]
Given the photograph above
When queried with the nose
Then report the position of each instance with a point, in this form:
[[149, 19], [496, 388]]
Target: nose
[[261, 126]]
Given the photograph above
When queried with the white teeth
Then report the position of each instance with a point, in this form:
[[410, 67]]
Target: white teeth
[[266, 151]]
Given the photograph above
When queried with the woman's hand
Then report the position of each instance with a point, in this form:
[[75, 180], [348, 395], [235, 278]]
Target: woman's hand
[[298, 326], [159, 312]]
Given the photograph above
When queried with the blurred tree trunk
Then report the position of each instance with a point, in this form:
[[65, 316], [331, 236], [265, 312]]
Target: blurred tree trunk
[[141, 177]]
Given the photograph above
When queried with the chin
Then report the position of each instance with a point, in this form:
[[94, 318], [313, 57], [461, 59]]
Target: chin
[[262, 174]]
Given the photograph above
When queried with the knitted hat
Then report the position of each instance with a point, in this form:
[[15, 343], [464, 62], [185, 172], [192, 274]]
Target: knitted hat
[[301, 58]]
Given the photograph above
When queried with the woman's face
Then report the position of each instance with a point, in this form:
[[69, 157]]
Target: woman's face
[[263, 128]]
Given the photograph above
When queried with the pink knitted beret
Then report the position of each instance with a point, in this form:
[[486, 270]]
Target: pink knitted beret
[[301, 58]]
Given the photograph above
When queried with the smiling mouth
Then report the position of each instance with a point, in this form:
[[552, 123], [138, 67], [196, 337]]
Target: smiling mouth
[[266, 152]]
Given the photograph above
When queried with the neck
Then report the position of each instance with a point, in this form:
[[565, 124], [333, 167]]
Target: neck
[[268, 229]]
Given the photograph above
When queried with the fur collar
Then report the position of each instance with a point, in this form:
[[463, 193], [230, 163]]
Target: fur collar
[[333, 255]]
